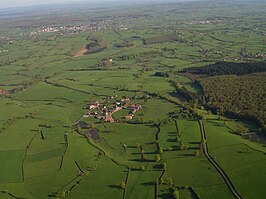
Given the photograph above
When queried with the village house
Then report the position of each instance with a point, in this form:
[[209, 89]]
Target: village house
[[125, 100], [135, 108], [109, 118], [105, 112], [117, 103], [86, 115], [107, 61], [2, 92], [128, 117], [94, 105]]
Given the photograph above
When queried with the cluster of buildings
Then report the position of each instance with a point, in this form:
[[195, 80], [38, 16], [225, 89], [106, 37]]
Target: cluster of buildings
[[75, 29], [258, 55], [106, 111], [208, 21], [106, 61], [134, 108], [61, 29], [4, 51]]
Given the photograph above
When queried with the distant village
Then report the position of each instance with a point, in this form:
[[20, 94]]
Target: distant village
[[105, 111], [76, 29]]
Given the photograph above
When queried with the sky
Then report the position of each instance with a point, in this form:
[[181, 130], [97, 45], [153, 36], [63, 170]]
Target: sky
[[19, 3]]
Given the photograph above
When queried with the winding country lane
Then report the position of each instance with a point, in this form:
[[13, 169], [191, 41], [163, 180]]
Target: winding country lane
[[215, 164]]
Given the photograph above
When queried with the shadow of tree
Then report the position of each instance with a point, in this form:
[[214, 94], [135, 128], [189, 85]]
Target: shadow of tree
[[114, 186]]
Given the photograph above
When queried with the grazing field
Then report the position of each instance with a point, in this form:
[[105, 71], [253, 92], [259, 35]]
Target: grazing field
[[238, 157], [104, 102]]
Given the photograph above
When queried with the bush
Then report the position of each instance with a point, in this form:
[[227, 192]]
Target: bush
[[164, 166], [169, 148], [123, 185], [176, 194], [142, 167], [157, 158]]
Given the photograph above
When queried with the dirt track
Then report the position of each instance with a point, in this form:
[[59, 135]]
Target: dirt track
[[81, 52]]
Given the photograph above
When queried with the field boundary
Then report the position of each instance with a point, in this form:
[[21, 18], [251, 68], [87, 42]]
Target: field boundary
[[226, 179]]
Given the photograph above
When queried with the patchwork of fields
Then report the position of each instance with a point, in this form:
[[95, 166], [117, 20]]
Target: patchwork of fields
[[45, 152]]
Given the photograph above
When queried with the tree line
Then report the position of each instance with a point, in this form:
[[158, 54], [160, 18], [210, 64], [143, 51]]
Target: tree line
[[227, 68], [162, 39]]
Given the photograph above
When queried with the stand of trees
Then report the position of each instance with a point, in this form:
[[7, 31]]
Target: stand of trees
[[123, 44], [92, 45], [161, 74], [185, 111], [139, 56], [227, 68], [242, 96], [163, 38], [182, 91]]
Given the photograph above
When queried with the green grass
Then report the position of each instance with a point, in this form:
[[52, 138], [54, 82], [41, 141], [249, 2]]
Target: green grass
[[51, 167], [239, 158], [156, 109], [11, 162], [142, 184], [107, 184]]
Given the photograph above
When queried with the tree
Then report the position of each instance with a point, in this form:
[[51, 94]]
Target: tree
[[178, 140], [63, 194], [142, 155], [157, 158], [42, 135], [241, 130], [164, 165], [66, 138], [125, 147], [224, 123], [182, 147], [169, 148], [123, 185], [170, 181], [179, 132], [176, 194], [160, 150], [142, 167], [186, 147], [203, 141], [161, 181]]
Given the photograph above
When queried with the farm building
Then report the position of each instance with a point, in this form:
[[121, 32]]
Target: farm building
[[2, 92], [128, 117], [94, 105], [109, 118], [135, 108]]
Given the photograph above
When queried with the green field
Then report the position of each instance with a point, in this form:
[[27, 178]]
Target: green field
[[134, 65]]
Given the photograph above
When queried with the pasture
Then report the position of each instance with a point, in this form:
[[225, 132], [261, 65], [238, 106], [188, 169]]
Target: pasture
[[44, 153]]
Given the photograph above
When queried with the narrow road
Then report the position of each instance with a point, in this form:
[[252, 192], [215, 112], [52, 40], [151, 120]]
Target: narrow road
[[215, 164]]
